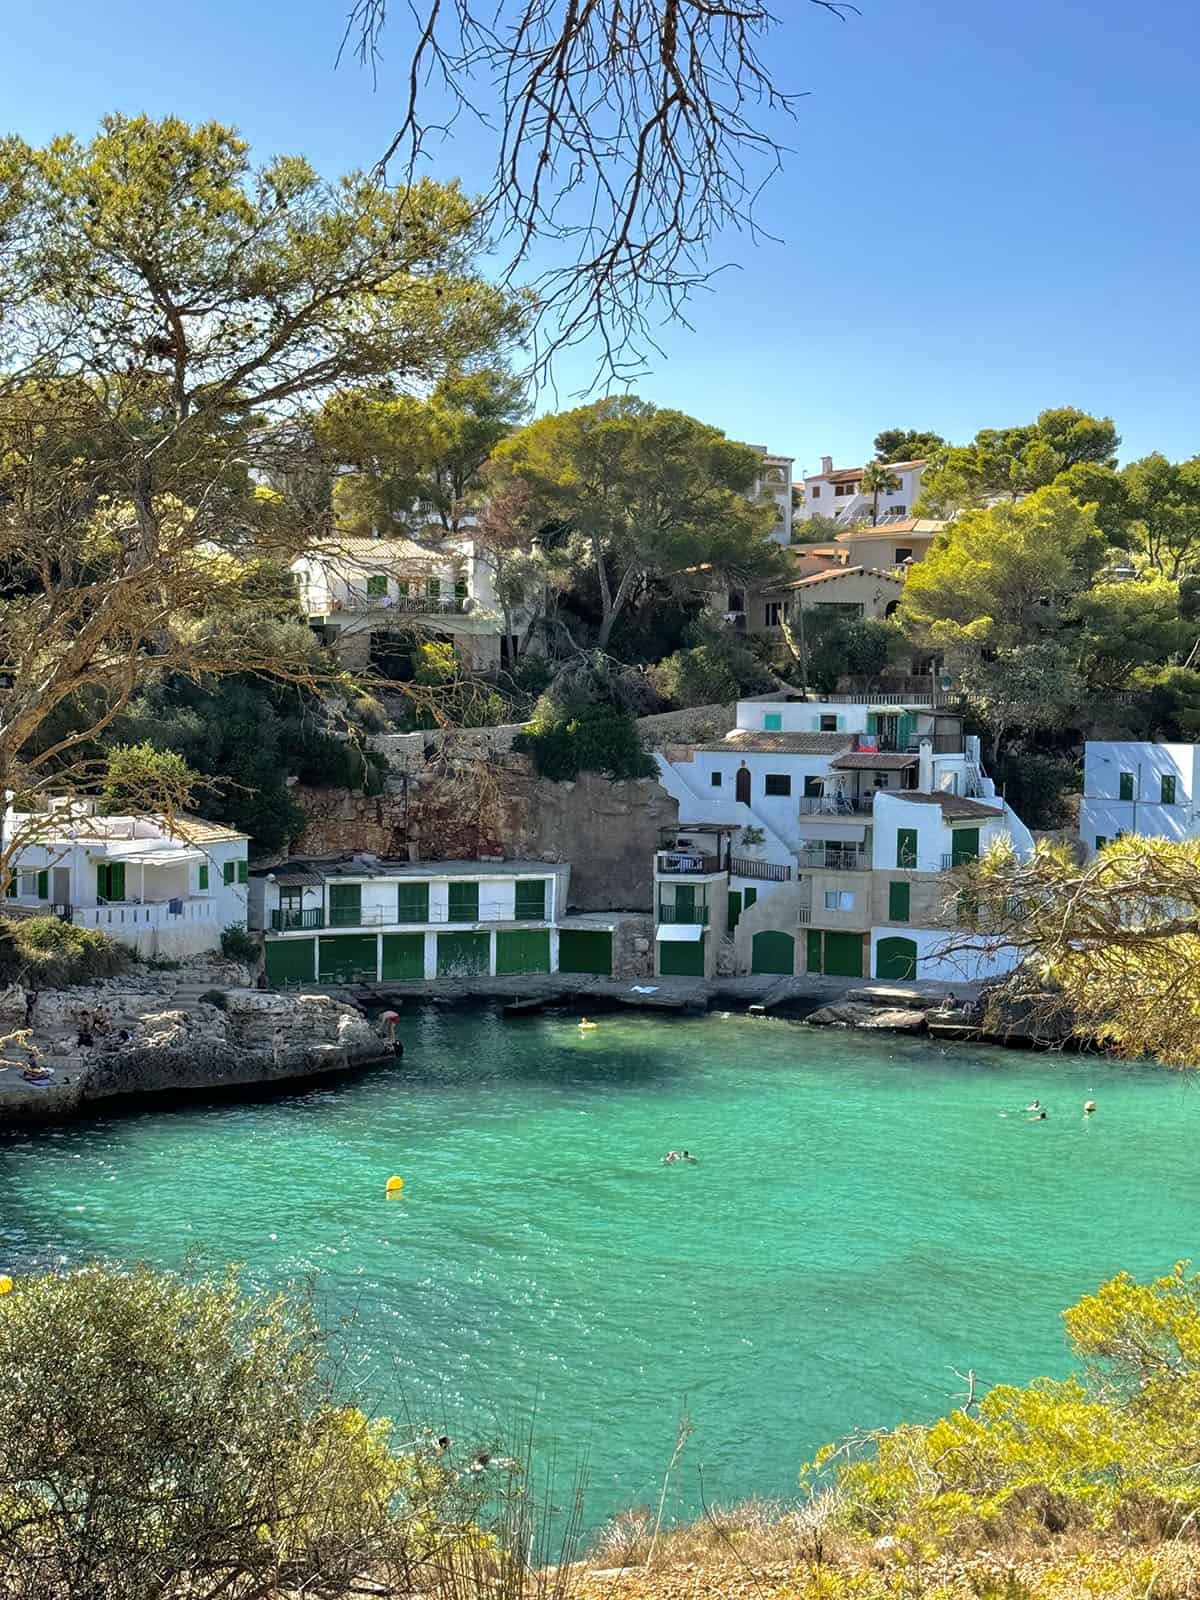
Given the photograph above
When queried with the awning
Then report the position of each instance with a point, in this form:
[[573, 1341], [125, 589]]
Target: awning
[[157, 858], [873, 761], [682, 932]]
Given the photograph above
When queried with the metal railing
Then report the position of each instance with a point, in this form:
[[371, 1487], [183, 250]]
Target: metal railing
[[950, 861], [769, 871], [682, 863], [389, 917], [803, 916], [412, 604], [838, 805], [682, 914], [835, 859], [289, 921]]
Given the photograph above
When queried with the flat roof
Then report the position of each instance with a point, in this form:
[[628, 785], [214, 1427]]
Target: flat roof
[[955, 807], [874, 761], [320, 871], [751, 742]]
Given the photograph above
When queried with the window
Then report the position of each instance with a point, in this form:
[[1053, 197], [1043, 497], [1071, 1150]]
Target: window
[[460, 588], [902, 554], [203, 878], [839, 900], [230, 870], [829, 722], [777, 783], [898, 902], [1101, 841], [749, 896], [772, 721], [880, 780], [110, 880], [345, 905], [814, 491], [412, 902], [1167, 790], [12, 886], [897, 511], [377, 583], [43, 885], [906, 848], [531, 899], [402, 587], [1125, 786], [737, 600], [814, 788], [464, 902], [772, 612], [243, 871], [715, 780], [843, 489], [29, 885]]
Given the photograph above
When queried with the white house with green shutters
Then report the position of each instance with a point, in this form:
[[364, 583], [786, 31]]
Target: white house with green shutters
[[1130, 786], [362, 919], [167, 889]]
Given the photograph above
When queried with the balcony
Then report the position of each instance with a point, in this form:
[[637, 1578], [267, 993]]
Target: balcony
[[421, 605], [768, 871], [669, 912], [838, 805], [317, 918], [949, 862], [835, 858], [291, 921], [117, 916], [686, 863]]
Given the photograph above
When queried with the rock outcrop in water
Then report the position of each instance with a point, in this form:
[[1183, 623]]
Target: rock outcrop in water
[[133, 1037]]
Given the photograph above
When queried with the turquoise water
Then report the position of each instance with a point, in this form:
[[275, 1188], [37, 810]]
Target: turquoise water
[[862, 1219]]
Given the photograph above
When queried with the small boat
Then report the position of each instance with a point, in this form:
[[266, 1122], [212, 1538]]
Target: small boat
[[525, 1008]]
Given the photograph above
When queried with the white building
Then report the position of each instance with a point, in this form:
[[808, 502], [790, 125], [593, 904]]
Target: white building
[[837, 493], [167, 891], [841, 820], [372, 600], [775, 481], [363, 919], [1131, 787]]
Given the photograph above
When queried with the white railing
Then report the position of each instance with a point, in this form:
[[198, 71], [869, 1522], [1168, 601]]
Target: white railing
[[413, 604], [158, 914]]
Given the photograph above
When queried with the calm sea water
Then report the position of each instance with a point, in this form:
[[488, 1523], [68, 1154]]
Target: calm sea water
[[866, 1215]]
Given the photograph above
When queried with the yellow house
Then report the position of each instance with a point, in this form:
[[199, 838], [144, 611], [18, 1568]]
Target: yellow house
[[890, 544]]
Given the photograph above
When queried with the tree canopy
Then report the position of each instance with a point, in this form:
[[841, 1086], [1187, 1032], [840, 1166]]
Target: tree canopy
[[1007, 462], [906, 444]]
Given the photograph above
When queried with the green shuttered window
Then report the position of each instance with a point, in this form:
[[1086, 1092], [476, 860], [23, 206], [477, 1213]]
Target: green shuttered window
[[531, 899], [204, 875], [906, 847], [1125, 786], [464, 902], [110, 880], [412, 902], [898, 902]]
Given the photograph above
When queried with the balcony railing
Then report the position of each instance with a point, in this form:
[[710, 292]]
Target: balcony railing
[[414, 604], [835, 859], [289, 921], [949, 862], [388, 917], [944, 744], [770, 871], [684, 863], [668, 912], [837, 805], [803, 916]]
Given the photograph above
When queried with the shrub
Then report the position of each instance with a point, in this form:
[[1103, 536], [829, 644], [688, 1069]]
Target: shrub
[[239, 945], [713, 671], [1038, 787], [42, 952], [595, 737]]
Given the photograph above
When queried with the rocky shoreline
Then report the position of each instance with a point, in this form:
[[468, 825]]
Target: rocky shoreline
[[202, 1030]]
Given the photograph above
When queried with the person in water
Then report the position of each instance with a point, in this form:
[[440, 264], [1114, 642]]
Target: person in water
[[585, 1024], [1088, 1107], [688, 1156], [672, 1155], [1036, 1106], [1041, 1117]]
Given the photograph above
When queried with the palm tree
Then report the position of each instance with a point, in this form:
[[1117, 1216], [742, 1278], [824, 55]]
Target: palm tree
[[878, 478]]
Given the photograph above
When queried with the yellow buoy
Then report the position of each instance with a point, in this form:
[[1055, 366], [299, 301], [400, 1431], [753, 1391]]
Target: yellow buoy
[[394, 1185], [5, 1285]]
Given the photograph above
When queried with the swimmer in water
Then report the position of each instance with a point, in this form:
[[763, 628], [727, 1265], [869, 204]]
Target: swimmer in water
[[585, 1026], [688, 1156], [1041, 1117], [1088, 1107], [1036, 1106], [672, 1155]]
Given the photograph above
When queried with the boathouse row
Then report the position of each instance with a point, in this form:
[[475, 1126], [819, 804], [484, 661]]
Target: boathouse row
[[363, 919]]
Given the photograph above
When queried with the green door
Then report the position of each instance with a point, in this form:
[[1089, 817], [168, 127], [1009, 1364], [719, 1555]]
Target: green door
[[291, 960], [843, 955], [897, 959], [681, 958], [404, 956], [773, 951], [346, 956], [463, 955], [734, 914], [685, 902], [464, 902], [523, 950], [906, 847], [345, 905], [585, 950], [814, 950], [964, 846], [904, 730]]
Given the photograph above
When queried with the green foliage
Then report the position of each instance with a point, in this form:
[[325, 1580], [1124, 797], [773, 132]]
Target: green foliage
[[140, 780], [718, 668], [1128, 625], [1037, 786], [816, 530], [1112, 1446], [906, 444], [1030, 687], [840, 646], [581, 736], [1150, 508], [165, 1436], [44, 953], [1168, 699], [1013, 461], [878, 478], [237, 944]]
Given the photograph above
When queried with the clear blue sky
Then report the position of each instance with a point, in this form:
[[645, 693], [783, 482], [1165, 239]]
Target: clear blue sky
[[990, 208]]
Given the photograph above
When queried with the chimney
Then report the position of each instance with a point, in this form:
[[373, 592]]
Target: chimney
[[826, 466], [925, 766]]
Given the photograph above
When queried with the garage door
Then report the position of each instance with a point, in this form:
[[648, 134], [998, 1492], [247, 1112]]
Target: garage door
[[291, 960], [843, 955], [345, 957], [463, 955], [585, 950], [773, 951], [681, 958], [404, 956], [524, 951], [896, 958]]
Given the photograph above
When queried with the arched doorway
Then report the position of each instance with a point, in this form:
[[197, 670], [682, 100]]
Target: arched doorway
[[772, 951], [896, 958], [742, 786]]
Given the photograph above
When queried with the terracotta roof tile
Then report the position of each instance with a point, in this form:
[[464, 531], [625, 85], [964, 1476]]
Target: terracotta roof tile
[[874, 761], [955, 807], [794, 744]]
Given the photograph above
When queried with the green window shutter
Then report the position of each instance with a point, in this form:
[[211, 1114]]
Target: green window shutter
[[345, 905], [531, 899], [116, 878], [964, 846], [749, 896], [772, 722], [734, 912], [243, 872], [204, 875], [1167, 791], [412, 902], [906, 847], [377, 583], [904, 731], [1125, 789], [402, 586], [898, 902], [43, 885], [229, 872], [464, 902], [1101, 841], [460, 588], [814, 950]]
